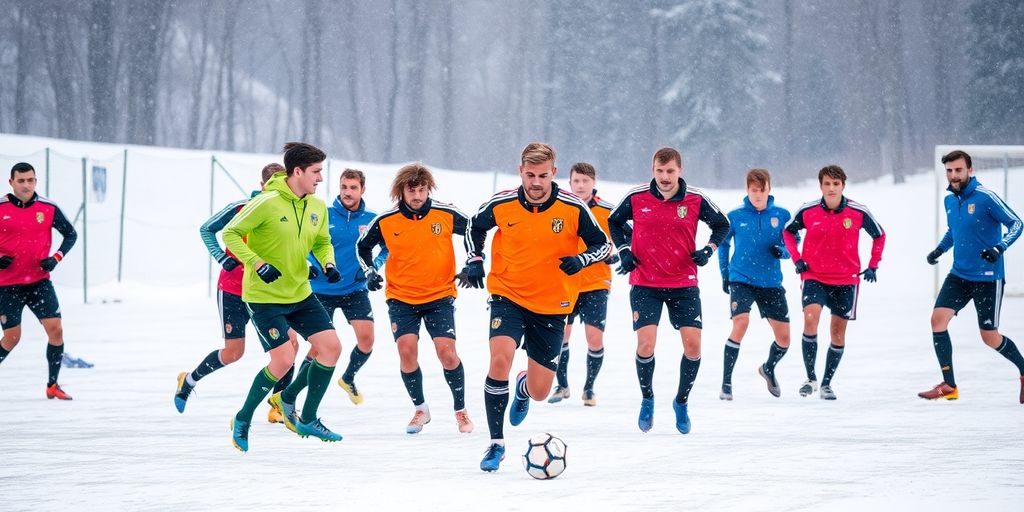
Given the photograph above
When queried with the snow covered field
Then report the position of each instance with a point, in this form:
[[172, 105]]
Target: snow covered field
[[121, 445]]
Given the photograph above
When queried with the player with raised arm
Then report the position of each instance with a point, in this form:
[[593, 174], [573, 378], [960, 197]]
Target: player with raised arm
[[420, 290], [975, 217], [662, 261], [534, 252], [830, 269]]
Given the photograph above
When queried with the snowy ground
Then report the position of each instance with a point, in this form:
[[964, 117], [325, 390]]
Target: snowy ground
[[120, 445]]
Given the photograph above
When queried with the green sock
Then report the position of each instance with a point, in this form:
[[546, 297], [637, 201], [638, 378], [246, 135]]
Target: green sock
[[261, 386], [299, 382], [319, 378]]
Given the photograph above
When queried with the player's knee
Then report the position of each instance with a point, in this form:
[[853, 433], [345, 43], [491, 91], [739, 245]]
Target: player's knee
[[500, 365], [645, 348], [10, 340], [991, 338], [939, 322], [231, 354]]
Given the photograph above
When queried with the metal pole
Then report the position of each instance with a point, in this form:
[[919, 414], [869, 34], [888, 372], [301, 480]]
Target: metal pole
[[1006, 177], [85, 236], [494, 182], [209, 263], [120, 241], [47, 172]]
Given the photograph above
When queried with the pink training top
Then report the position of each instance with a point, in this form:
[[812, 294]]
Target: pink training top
[[830, 246], [26, 234]]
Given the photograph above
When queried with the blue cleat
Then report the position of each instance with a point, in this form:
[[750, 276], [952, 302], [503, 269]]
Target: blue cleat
[[240, 434], [682, 418], [181, 394], [492, 457], [317, 429], [520, 405], [646, 420]]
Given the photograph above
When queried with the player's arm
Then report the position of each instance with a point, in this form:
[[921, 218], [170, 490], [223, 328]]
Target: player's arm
[[208, 231], [472, 275], [371, 237], [382, 257], [875, 231], [322, 248], [711, 215], [790, 235], [723, 253], [243, 223], [66, 230], [619, 229], [598, 245], [1007, 217]]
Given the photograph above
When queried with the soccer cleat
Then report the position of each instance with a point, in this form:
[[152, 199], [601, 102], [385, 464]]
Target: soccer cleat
[[646, 420], [726, 393], [463, 421], [240, 434], [54, 391], [520, 405], [810, 386], [274, 415], [941, 390], [682, 418], [181, 393], [827, 393], [287, 412], [422, 417], [589, 399], [350, 388], [769, 379], [558, 395], [492, 457], [317, 429]]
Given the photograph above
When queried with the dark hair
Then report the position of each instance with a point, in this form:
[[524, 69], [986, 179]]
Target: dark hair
[[584, 169], [354, 174], [412, 175], [956, 155], [301, 155], [759, 177], [666, 155], [832, 171], [270, 170], [22, 167]]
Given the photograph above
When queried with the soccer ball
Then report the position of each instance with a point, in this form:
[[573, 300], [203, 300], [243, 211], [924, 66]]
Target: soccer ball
[[545, 456]]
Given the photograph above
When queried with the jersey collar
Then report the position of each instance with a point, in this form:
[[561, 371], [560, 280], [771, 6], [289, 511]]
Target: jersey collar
[[842, 205], [22, 204], [536, 208], [409, 213], [679, 195]]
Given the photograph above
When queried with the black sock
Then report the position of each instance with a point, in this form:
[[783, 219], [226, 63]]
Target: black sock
[[775, 354], [835, 353], [594, 360], [456, 378], [414, 385], [356, 360], [283, 382], [687, 376], [562, 373], [810, 349], [732, 352], [944, 352], [645, 374], [1009, 350], [496, 401], [55, 354], [209, 365], [3, 354]]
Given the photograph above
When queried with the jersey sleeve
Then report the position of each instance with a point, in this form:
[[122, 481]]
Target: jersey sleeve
[[1001, 212], [723, 253], [618, 223], [208, 231], [244, 222], [66, 230], [460, 223], [715, 219], [370, 238], [792, 232], [874, 229], [477, 228], [598, 246]]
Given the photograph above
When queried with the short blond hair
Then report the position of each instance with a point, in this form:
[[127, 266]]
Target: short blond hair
[[412, 175], [538, 153]]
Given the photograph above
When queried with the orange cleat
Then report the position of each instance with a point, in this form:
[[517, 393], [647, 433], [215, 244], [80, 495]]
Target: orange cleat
[[54, 391], [941, 390]]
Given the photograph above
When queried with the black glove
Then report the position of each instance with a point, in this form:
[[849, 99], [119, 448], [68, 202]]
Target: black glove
[[472, 275], [5, 261], [992, 254], [313, 272], [870, 275], [801, 266], [933, 257], [374, 281], [333, 276], [613, 259], [725, 285], [627, 262], [776, 251], [570, 265], [702, 256], [228, 263], [268, 273], [49, 264]]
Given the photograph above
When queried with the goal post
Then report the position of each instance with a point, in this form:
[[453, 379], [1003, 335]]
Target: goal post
[[1000, 169]]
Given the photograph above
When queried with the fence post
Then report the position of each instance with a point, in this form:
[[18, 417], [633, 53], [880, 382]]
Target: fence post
[[209, 262], [120, 240], [494, 183], [85, 235], [47, 172], [1006, 177]]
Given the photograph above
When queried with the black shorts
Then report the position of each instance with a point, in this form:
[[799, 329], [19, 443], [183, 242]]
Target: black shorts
[[683, 306], [355, 305], [771, 302], [437, 315], [540, 335], [956, 292], [841, 299], [39, 296], [591, 307], [272, 321], [233, 314]]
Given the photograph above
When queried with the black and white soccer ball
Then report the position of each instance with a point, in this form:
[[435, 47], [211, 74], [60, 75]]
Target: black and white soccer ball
[[545, 456]]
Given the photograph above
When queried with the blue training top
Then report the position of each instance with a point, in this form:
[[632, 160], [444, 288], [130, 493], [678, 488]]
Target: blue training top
[[975, 218], [345, 227], [753, 232]]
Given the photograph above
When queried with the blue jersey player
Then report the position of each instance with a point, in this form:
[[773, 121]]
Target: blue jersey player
[[976, 217]]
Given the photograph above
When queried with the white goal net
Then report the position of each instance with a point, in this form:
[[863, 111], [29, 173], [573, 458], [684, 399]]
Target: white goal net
[[1000, 169]]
